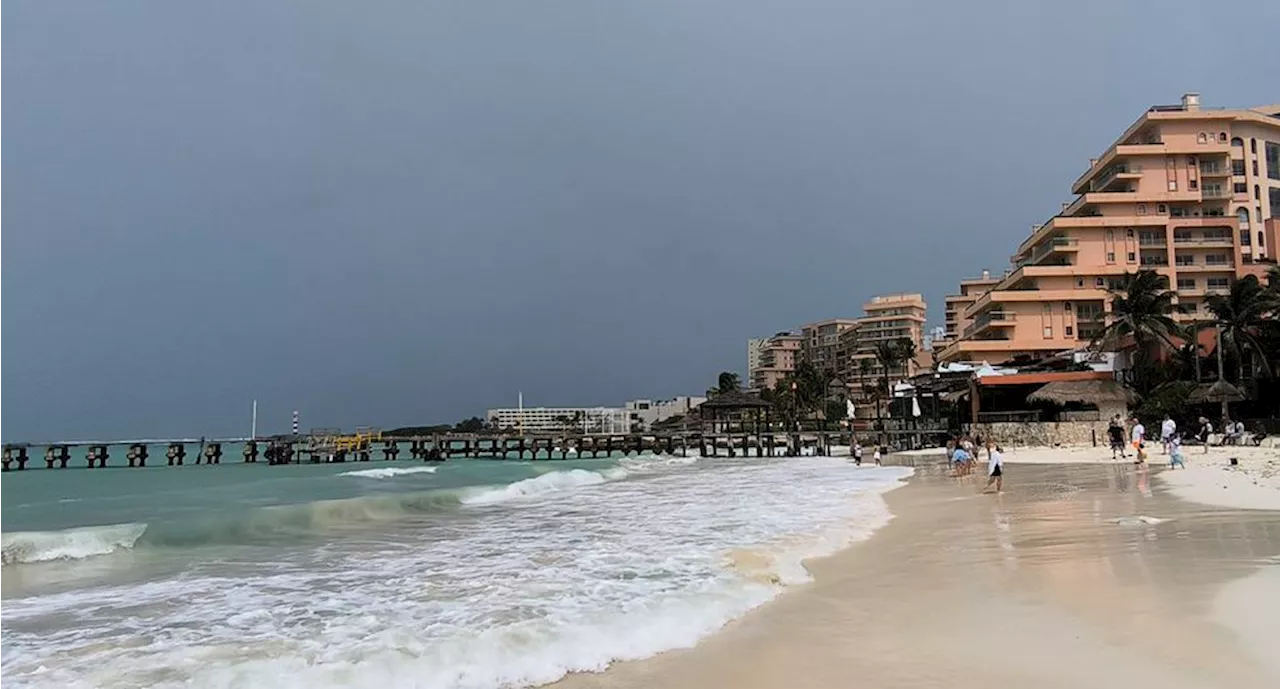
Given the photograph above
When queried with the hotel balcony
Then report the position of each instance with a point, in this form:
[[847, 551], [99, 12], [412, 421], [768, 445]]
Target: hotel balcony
[[1024, 295], [989, 320], [1056, 245], [1203, 267], [1122, 151], [1203, 240], [1214, 169]]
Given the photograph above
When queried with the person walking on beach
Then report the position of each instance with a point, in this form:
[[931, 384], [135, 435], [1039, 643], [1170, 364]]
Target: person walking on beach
[[1168, 429], [995, 468], [1116, 433], [961, 458], [1175, 453], [1206, 429], [1139, 435], [876, 456], [857, 453]]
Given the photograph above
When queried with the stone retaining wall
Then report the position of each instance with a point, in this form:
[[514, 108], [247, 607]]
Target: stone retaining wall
[[1042, 433]]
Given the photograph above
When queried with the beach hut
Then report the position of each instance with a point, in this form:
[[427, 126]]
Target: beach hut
[[1105, 395]]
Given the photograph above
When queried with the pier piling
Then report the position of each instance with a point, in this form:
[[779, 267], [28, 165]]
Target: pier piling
[[176, 453], [15, 453], [137, 455]]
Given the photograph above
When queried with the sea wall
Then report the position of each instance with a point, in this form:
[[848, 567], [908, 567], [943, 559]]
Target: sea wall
[[1042, 433]]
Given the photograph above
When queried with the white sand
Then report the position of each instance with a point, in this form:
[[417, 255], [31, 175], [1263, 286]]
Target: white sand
[[1209, 479]]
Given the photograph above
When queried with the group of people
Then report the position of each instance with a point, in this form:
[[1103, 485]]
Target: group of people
[[1170, 440], [857, 451], [962, 454]]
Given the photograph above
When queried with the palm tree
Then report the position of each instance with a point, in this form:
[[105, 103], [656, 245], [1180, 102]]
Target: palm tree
[[891, 355], [728, 382], [1242, 314], [1141, 309]]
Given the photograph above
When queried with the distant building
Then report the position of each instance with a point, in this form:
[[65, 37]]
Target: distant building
[[644, 413], [887, 319], [778, 358], [555, 419], [755, 349], [821, 341]]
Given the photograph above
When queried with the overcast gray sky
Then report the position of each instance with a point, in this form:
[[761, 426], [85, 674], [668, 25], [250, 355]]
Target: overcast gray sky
[[394, 212]]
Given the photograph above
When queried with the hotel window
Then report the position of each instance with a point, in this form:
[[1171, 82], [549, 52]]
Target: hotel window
[[1193, 184], [1186, 283], [1215, 259], [1245, 237], [1068, 331], [1079, 283], [1191, 161], [1131, 257], [1237, 167], [1261, 241], [1253, 147], [1257, 214], [1273, 193], [1202, 138], [1240, 188], [1173, 185], [1142, 209], [1237, 142], [1218, 283], [1048, 331], [1129, 233], [1099, 283], [1182, 236], [1222, 137], [1255, 168], [1257, 193], [1273, 160], [1162, 209], [1111, 257]]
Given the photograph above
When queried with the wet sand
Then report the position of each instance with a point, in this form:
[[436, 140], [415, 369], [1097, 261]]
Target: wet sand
[[1059, 582]]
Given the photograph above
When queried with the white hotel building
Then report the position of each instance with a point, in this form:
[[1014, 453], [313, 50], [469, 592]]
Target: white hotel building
[[636, 415]]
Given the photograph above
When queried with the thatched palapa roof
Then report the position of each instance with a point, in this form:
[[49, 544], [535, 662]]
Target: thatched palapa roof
[[1095, 392], [1221, 391], [735, 399]]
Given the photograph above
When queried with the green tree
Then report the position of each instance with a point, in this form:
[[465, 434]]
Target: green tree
[[1243, 314], [890, 356], [728, 382], [472, 425], [1142, 307]]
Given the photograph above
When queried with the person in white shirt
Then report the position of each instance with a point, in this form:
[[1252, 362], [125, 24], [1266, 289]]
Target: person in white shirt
[[1139, 434], [995, 468], [1168, 429]]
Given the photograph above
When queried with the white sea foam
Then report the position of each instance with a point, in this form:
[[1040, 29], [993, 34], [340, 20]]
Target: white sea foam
[[551, 482], [68, 544], [514, 595], [389, 472]]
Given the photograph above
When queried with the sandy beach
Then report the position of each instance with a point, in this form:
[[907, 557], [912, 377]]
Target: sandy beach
[[1082, 574]]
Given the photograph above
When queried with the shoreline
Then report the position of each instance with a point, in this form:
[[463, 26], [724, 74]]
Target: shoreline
[[1061, 557]]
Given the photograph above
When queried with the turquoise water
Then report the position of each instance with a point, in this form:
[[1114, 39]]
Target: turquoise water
[[469, 574]]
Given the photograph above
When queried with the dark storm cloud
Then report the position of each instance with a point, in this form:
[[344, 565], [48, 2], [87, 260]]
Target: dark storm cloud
[[397, 212]]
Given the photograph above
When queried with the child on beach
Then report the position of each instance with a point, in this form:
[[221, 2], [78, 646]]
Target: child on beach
[[960, 458], [1175, 453], [995, 468]]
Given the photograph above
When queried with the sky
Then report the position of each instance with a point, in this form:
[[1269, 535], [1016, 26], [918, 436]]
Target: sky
[[397, 212]]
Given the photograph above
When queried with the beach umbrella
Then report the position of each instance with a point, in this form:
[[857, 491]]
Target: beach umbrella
[[1220, 391]]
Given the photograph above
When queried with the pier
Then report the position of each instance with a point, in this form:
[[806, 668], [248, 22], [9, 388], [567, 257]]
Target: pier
[[322, 446]]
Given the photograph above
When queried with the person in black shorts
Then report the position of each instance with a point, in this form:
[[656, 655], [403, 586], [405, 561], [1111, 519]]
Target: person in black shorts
[[1115, 433]]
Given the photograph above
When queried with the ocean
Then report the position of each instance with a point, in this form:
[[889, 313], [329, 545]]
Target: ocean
[[468, 574]]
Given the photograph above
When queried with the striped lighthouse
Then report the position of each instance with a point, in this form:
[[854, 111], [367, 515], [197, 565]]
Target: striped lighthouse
[[295, 421]]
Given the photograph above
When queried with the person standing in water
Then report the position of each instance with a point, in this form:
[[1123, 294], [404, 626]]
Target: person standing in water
[[1115, 432], [1139, 435], [995, 468], [1168, 429], [1175, 453]]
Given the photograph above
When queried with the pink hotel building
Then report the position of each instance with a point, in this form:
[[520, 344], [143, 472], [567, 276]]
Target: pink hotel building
[[1189, 192]]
